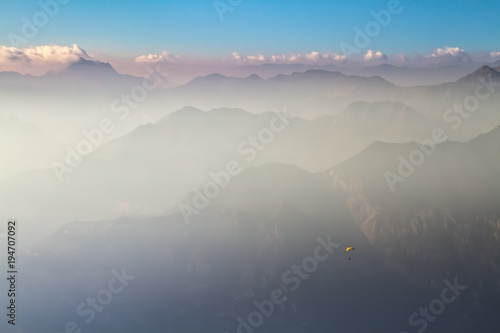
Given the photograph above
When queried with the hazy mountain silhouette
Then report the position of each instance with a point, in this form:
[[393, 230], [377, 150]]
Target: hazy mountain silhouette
[[441, 223], [484, 73], [178, 152], [183, 148], [412, 76], [310, 94], [229, 256], [400, 75], [23, 146]]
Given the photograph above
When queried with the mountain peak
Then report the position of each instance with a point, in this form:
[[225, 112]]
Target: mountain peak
[[318, 72], [309, 74], [211, 78], [215, 76], [484, 72], [254, 77], [84, 65]]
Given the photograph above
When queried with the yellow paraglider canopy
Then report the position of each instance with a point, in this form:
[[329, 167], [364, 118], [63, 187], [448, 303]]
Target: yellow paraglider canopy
[[349, 249]]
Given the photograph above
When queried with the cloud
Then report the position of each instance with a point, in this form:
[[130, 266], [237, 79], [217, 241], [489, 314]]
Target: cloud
[[41, 55], [38, 60], [372, 55], [248, 59], [448, 54], [494, 54], [155, 58], [236, 56], [282, 58], [256, 58], [334, 56], [316, 57], [311, 57], [446, 51]]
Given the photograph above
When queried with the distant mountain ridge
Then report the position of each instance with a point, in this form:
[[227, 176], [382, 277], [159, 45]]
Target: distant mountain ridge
[[310, 94], [483, 73], [89, 67], [83, 73]]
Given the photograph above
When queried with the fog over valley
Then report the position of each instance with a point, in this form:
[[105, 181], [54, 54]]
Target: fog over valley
[[249, 167]]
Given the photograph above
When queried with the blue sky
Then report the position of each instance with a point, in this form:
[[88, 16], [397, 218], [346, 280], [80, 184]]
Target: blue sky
[[132, 28]]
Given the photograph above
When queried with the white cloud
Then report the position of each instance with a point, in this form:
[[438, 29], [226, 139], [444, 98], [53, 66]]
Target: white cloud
[[279, 58], [315, 57], [311, 57], [446, 51], [236, 56], [248, 59], [447, 56], [494, 54], [372, 55], [284, 59], [334, 56], [256, 58], [41, 55], [154, 58], [39, 59]]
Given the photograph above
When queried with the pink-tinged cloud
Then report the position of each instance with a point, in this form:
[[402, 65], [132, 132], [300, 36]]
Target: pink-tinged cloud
[[311, 58], [155, 58], [494, 54], [248, 59], [447, 56], [372, 55], [442, 57], [447, 52], [334, 56], [39, 59]]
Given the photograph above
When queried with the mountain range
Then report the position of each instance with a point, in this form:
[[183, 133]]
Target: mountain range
[[407, 175], [185, 146], [439, 226]]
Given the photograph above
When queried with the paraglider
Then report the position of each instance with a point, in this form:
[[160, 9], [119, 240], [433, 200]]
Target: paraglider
[[350, 248]]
